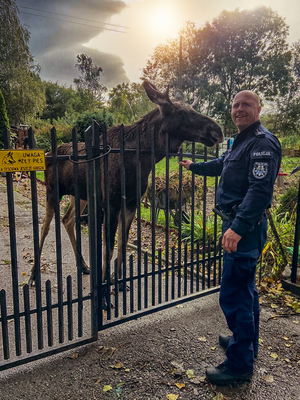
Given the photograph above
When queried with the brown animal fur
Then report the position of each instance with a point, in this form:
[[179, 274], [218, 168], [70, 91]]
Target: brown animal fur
[[180, 120]]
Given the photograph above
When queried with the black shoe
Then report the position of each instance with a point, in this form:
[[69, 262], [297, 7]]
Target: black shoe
[[224, 341], [222, 375]]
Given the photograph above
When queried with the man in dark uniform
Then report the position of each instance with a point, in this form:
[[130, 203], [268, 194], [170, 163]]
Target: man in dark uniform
[[247, 174]]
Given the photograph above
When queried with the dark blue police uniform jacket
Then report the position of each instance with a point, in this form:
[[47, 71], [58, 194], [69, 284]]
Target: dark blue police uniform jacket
[[247, 174]]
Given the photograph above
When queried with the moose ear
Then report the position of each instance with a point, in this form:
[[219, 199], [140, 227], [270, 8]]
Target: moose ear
[[157, 97]]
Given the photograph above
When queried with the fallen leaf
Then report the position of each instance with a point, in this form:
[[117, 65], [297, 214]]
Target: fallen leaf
[[285, 338], [197, 380], [180, 385], [106, 388], [268, 378], [213, 348], [287, 360], [287, 345], [117, 366], [202, 339], [73, 356], [98, 381], [274, 305], [219, 396], [274, 355], [260, 341], [172, 396], [190, 373], [127, 370]]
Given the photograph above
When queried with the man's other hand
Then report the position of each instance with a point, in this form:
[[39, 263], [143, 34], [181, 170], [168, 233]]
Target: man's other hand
[[230, 240]]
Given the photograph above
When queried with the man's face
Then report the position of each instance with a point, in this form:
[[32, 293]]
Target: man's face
[[245, 110]]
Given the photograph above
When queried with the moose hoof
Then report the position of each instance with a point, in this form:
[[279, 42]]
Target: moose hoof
[[86, 271]]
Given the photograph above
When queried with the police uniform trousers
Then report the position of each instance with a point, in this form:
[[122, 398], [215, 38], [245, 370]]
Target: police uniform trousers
[[239, 300]]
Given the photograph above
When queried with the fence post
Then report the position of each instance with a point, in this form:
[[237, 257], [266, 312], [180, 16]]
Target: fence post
[[296, 241]]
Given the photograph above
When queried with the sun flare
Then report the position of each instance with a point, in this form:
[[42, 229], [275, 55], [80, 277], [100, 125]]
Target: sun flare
[[164, 21]]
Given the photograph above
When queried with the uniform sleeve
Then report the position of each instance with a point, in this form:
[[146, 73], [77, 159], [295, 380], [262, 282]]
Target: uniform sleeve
[[209, 168], [264, 161]]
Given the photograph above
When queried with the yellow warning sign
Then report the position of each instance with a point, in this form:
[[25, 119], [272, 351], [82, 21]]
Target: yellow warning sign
[[22, 160]]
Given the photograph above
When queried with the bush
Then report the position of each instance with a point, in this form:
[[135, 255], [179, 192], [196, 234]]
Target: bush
[[86, 120]]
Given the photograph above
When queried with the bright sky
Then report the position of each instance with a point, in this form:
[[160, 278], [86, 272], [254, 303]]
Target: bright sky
[[152, 22], [122, 56]]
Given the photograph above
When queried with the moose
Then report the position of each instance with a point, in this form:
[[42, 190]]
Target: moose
[[177, 118]]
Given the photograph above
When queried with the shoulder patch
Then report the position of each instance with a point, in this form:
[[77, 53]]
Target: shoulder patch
[[260, 133], [260, 170]]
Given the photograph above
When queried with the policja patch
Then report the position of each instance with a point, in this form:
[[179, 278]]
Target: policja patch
[[260, 170]]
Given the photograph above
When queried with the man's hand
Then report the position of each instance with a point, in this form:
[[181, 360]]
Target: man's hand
[[185, 163], [230, 240]]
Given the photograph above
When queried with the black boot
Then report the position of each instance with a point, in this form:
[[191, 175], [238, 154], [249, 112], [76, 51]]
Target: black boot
[[222, 375]]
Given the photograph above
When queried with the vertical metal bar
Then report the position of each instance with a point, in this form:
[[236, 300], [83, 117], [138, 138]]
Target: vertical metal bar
[[78, 233], [58, 236], [296, 242], [216, 228], [146, 280], [197, 266], [116, 288], [99, 215], [92, 231], [49, 313], [123, 213], [192, 220], [167, 214], [106, 195], [4, 326], [70, 307], [138, 203], [13, 250], [131, 284], [179, 226], [38, 289], [185, 270], [159, 278], [173, 273], [208, 263], [153, 219], [27, 319], [204, 222]]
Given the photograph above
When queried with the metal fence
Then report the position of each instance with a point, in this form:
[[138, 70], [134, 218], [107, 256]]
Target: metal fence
[[66, 309]]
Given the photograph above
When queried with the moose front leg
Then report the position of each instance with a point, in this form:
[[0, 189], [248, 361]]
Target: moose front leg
[[129, 216]]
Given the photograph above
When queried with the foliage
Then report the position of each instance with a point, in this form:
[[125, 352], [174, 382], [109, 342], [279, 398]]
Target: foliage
[[128, 102], [19, 77], [238, 50], [286, 112], [86, 119], [88, 84], [200, 233], [43, 133], [4, 122]]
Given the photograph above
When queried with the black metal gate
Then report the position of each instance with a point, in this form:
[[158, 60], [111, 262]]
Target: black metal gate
[[67, 310]]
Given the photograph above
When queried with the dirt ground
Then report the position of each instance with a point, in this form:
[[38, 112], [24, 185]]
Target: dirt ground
[[164, 356], [161, 355]]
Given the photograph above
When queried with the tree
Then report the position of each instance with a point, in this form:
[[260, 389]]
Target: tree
[[88, 84], [86, 120], [284, 116], [4, 122], [238, 50], [19, 77], [128, 102]]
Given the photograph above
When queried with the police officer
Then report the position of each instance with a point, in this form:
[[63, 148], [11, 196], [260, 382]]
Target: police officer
[[247, 174]]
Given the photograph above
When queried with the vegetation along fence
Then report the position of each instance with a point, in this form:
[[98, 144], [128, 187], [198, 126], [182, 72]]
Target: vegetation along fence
[[171, 256]]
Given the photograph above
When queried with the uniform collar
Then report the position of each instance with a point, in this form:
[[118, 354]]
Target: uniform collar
[[250, 129]]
